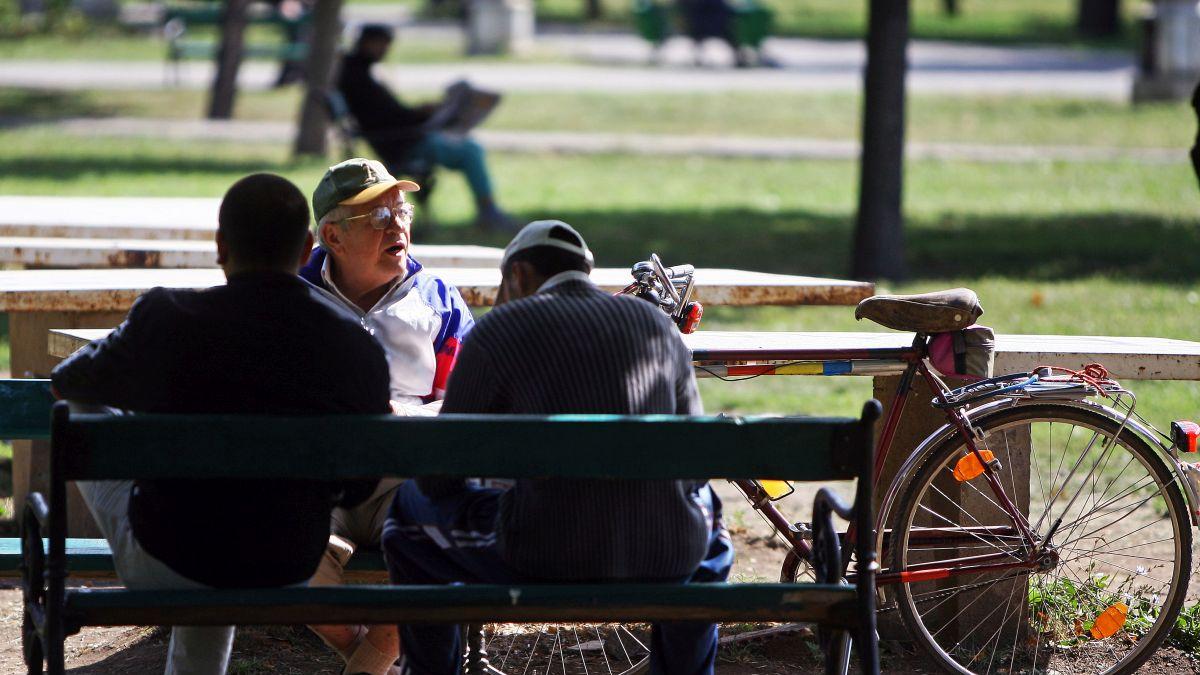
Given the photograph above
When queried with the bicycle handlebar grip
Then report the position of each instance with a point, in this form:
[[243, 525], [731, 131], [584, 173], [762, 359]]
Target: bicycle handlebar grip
[[680, 271]]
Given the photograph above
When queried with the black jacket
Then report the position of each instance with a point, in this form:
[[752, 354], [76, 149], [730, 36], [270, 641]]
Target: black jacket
[[389, 126], [265, 343]]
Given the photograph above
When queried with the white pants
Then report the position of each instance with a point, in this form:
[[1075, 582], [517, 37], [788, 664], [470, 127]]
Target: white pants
[[194, 650]]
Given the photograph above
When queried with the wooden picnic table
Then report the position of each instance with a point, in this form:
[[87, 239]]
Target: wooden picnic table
[[57, 252], [40, 300], [109, 217], [1133, 358], [114, 290]]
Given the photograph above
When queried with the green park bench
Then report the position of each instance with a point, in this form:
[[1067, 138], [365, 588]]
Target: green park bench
[[106, 447], [181, 46], [654, 20], [25, 415]]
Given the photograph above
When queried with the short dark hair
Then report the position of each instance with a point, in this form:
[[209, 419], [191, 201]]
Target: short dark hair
[[550, 260], [263, 220], [375, 31]]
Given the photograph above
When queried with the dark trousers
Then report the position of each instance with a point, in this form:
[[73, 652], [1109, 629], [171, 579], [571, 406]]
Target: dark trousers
[[453, 539]]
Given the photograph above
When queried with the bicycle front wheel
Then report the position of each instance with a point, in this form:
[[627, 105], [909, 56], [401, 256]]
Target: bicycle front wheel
[[1095, 589], [571, 649]]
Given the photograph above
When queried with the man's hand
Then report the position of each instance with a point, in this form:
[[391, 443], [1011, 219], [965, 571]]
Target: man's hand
[[402, 409]]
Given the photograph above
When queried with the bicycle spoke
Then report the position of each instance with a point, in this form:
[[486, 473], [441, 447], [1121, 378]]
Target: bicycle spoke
[[1108, 513]]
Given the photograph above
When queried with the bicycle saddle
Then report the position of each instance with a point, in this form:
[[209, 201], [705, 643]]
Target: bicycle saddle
[[938, 312]]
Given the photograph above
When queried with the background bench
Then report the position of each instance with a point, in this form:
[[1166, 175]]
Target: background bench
[[655, 19], [98, 447], [180, 46]]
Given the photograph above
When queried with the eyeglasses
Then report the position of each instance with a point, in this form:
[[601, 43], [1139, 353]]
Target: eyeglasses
[[381, 217]]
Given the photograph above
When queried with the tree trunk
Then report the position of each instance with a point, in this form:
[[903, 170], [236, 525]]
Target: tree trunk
[[322, 57], [950, 7], [229, 59], [879, 232], [1099, 18], [594, 10]]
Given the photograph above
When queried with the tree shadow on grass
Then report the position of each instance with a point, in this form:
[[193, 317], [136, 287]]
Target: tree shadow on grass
[[800, 242], [163, 168], [19, 106]]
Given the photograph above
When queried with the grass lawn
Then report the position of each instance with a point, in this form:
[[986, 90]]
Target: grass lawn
[[112, 44], [995, 21], [990, 120], [1104, 248], [1006, 22]]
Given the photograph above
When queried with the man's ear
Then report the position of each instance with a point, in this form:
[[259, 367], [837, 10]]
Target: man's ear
[[331, 237], [306, 250], [525, 278], [222, 250]]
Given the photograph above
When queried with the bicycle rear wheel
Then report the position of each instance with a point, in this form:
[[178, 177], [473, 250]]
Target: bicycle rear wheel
[[1111, 548]]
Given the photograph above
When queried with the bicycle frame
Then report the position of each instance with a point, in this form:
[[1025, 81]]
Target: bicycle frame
[[652, 280], [908, 362]]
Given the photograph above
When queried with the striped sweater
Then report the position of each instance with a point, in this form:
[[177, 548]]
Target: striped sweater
[[572, 348]]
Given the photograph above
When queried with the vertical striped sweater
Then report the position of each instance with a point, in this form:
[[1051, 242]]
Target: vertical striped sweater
[[572, 348]]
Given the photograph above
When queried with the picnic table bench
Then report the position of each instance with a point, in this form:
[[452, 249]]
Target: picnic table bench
[[88, 253], [104, 447]]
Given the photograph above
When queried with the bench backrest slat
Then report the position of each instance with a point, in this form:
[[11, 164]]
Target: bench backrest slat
[[656, 447], [25, 409]]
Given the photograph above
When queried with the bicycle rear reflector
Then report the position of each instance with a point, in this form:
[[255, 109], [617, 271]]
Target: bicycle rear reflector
[[969, 466], [1186, 435], [776, 489], [1110, 621]]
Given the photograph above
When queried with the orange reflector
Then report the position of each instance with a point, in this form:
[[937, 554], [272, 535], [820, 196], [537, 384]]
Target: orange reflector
[[969, 467], [776, 489], [1110, 621]]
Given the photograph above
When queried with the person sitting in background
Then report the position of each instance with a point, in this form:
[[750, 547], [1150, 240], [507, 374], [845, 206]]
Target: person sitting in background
[[266, 342], [397, 132], [364, 225], [559, 344]]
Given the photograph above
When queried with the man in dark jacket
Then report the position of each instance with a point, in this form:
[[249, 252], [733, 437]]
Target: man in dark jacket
[[560, 345], [397, 132], [266, 342]]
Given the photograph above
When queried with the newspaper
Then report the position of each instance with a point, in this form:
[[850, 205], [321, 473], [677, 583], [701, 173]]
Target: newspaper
[[462, 108]]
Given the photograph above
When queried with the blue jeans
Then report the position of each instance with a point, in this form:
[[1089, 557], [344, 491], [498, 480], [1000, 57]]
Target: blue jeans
[[460, 153], [454, 540]]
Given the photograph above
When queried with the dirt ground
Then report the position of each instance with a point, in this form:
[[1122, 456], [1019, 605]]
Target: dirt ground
[[292, 650]]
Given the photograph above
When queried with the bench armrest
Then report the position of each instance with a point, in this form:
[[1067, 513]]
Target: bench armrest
[[37, 508]]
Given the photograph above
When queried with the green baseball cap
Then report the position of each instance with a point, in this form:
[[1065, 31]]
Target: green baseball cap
[[354, 181]]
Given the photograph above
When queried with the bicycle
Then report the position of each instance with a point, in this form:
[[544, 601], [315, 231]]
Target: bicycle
[[1045, 527]]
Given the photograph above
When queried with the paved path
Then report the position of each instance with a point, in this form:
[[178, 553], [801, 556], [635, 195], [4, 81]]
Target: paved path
[[633, 143], [618, 63]]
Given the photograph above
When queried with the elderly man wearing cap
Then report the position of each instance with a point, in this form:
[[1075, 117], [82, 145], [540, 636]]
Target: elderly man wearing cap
[[558, 344], [363, 264]]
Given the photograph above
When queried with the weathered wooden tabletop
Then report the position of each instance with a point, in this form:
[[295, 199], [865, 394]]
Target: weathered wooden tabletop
[[1136, 358], [71, 253], [116, 289]]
